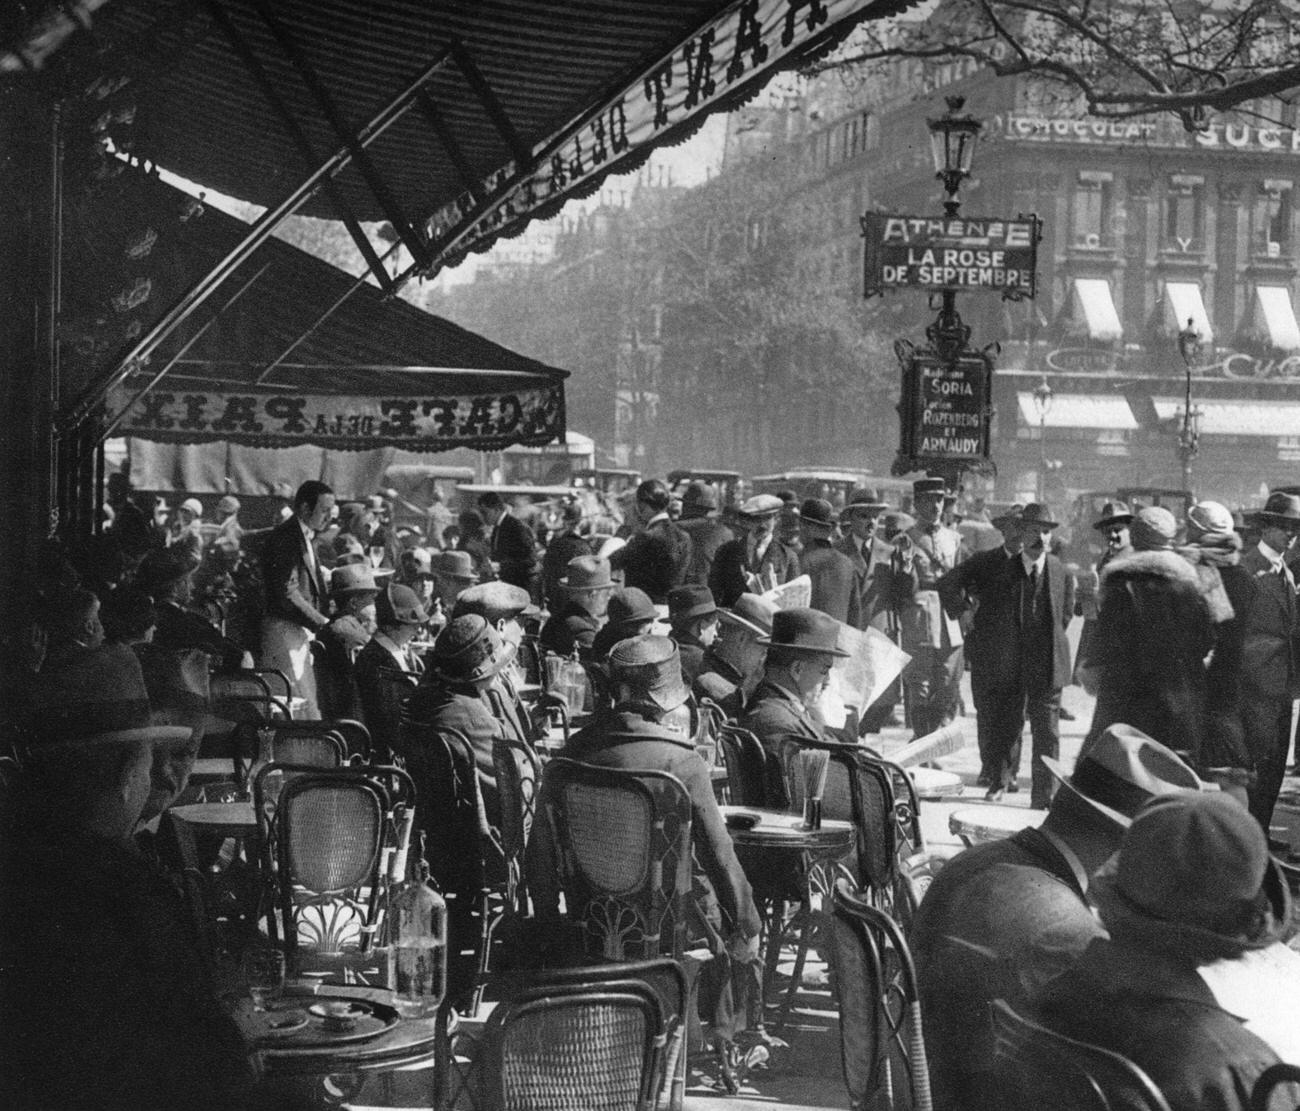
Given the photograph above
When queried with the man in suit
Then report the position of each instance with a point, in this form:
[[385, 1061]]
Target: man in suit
[[699, 520], [733, 665], [296, 591], [513, 545], [505, 608], [587, 586], [832, 572], [564, 546], [658, 556], [756, 562], [922, 556], [386, 668], [801, 651], [1023, 600], [693, 615], [1270, 671], [166, 575]]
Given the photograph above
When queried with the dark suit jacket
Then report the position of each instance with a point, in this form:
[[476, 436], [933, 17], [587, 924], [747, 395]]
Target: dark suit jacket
[[181, 628], [555, 564], [773, 717], [570, 628], [292, 591], [462, 709], [991, 581], [872, 602], [655, 560], [382, 693], [832, 575], [514, 547], [1269, 658], [707, 534], [727, 576]]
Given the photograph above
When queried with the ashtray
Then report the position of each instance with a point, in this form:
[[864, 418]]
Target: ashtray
[[742, 819], [285, 1022], [339, 1014]]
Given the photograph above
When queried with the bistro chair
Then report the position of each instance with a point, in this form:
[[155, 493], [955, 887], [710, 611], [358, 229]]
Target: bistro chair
[[356, 737], [312, 743], [518, 773], [1270, 1082], [742, 754], [1036, 1067], [882, 1044], [383, 703]]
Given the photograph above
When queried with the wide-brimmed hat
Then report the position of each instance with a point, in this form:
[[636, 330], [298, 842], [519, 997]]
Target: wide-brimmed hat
[[1035, 513], [652, 667], [700, 496], [817, 513], [761, 506], [454, 564], [495, 601], [1006, 516], [94, 697], [866, 499], [688, 602], [751, 612], [1113, 513], [1121, 771], [468, 650], [929, 485], [630, 606], [417, 563], [353, 578], [1193, 877], [1280, 509], [1153, 527], [397, 604], [803, 629], [162, 567], [587, 573]]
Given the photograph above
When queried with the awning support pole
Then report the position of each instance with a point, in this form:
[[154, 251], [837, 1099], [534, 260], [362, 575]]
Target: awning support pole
[[258, 233], [306, 152], [110, 426], [450, 144], [410, 237], [497, 114]]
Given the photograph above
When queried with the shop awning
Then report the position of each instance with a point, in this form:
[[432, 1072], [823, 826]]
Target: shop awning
[[1098, 308], [1079, 410], [1184, 303], [1237, 418], [1277, 316]]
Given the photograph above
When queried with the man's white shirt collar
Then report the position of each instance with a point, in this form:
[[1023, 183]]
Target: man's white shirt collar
[[1274, 558], [1036, 564]]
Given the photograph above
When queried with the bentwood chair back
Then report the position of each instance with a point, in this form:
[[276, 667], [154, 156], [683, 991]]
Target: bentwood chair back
[[881, 1038], [309, 743], [746, 763], [1036, 1067], [1276, 1089], [518, 774], [623, 853]]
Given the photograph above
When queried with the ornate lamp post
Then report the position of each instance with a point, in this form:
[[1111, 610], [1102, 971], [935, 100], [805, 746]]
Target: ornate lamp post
[[1189, 433], [1042, 406]]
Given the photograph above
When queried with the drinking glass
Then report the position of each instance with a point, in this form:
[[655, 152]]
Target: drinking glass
[[264, 975]]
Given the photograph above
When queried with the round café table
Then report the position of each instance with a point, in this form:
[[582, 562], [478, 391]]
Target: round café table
[[977, 825], [230, 819], [775, 829]]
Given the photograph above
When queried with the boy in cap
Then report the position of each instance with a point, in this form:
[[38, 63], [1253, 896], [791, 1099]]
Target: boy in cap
[[1002, 918], [693, 618], [756, 562], [733, 665]]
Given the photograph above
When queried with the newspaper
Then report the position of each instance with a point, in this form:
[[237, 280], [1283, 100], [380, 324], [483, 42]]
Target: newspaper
[[873, 662], [797, 592]]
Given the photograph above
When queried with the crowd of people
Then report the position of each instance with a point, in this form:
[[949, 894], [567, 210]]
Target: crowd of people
[[1190, 644]]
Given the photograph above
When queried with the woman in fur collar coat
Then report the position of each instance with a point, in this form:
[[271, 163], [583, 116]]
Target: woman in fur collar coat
[[1146, 661]]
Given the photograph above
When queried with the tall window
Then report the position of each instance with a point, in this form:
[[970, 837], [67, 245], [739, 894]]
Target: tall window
[[1092, 206], [1185, 214], [1270, 220]]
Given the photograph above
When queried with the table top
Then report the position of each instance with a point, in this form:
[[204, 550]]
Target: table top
[[778, 830], [933, 783], [210, 769], [992, 822], [218, 817]]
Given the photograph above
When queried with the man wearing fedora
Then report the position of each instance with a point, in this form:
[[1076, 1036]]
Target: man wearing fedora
[[587, 584], [732, 666], [353, 591], [386, 668], [757, 561], [1004, 917], [453, 572], [648, 728], [922, 556], [699, 520], [832, 572], [1023, 600], [658, 555], [1191, 886], [801, 650], [1146, 660], [631, 613], [693, 618], [104, 998], [1113, 524], [1271, 650], [872, 602]]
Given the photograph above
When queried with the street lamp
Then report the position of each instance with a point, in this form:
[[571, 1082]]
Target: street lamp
[[1042, 406], [1189, 434], [952, 145]]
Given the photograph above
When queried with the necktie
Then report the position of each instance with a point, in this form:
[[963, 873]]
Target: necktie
[[1027, 599]]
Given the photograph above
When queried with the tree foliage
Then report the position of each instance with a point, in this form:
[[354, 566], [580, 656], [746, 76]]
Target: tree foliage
[[1114, 58]]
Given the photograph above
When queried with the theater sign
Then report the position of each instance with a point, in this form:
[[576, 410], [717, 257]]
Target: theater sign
[[965, 254]]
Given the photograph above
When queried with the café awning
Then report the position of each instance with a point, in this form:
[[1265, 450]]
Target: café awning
[[1237, 418], [1097, 308], [1275, 315], [1183, 304], [1078, 410]]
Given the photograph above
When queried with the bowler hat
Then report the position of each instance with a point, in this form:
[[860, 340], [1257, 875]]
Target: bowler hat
[[587, 573], [1153, 527], [1113, 513], [399, 605], [353, 578], [494, 601], [805, 630], [1035, 513], [688, 602], [454, 564], [630, 606], [701, 496], [1120, 771], [468, 650], [761, 505], [417, 563], [1193, 877], [94, 697], [751, 612], [866, 499], [929, 485], [652, 667], [818, 513], [1280, 509]]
